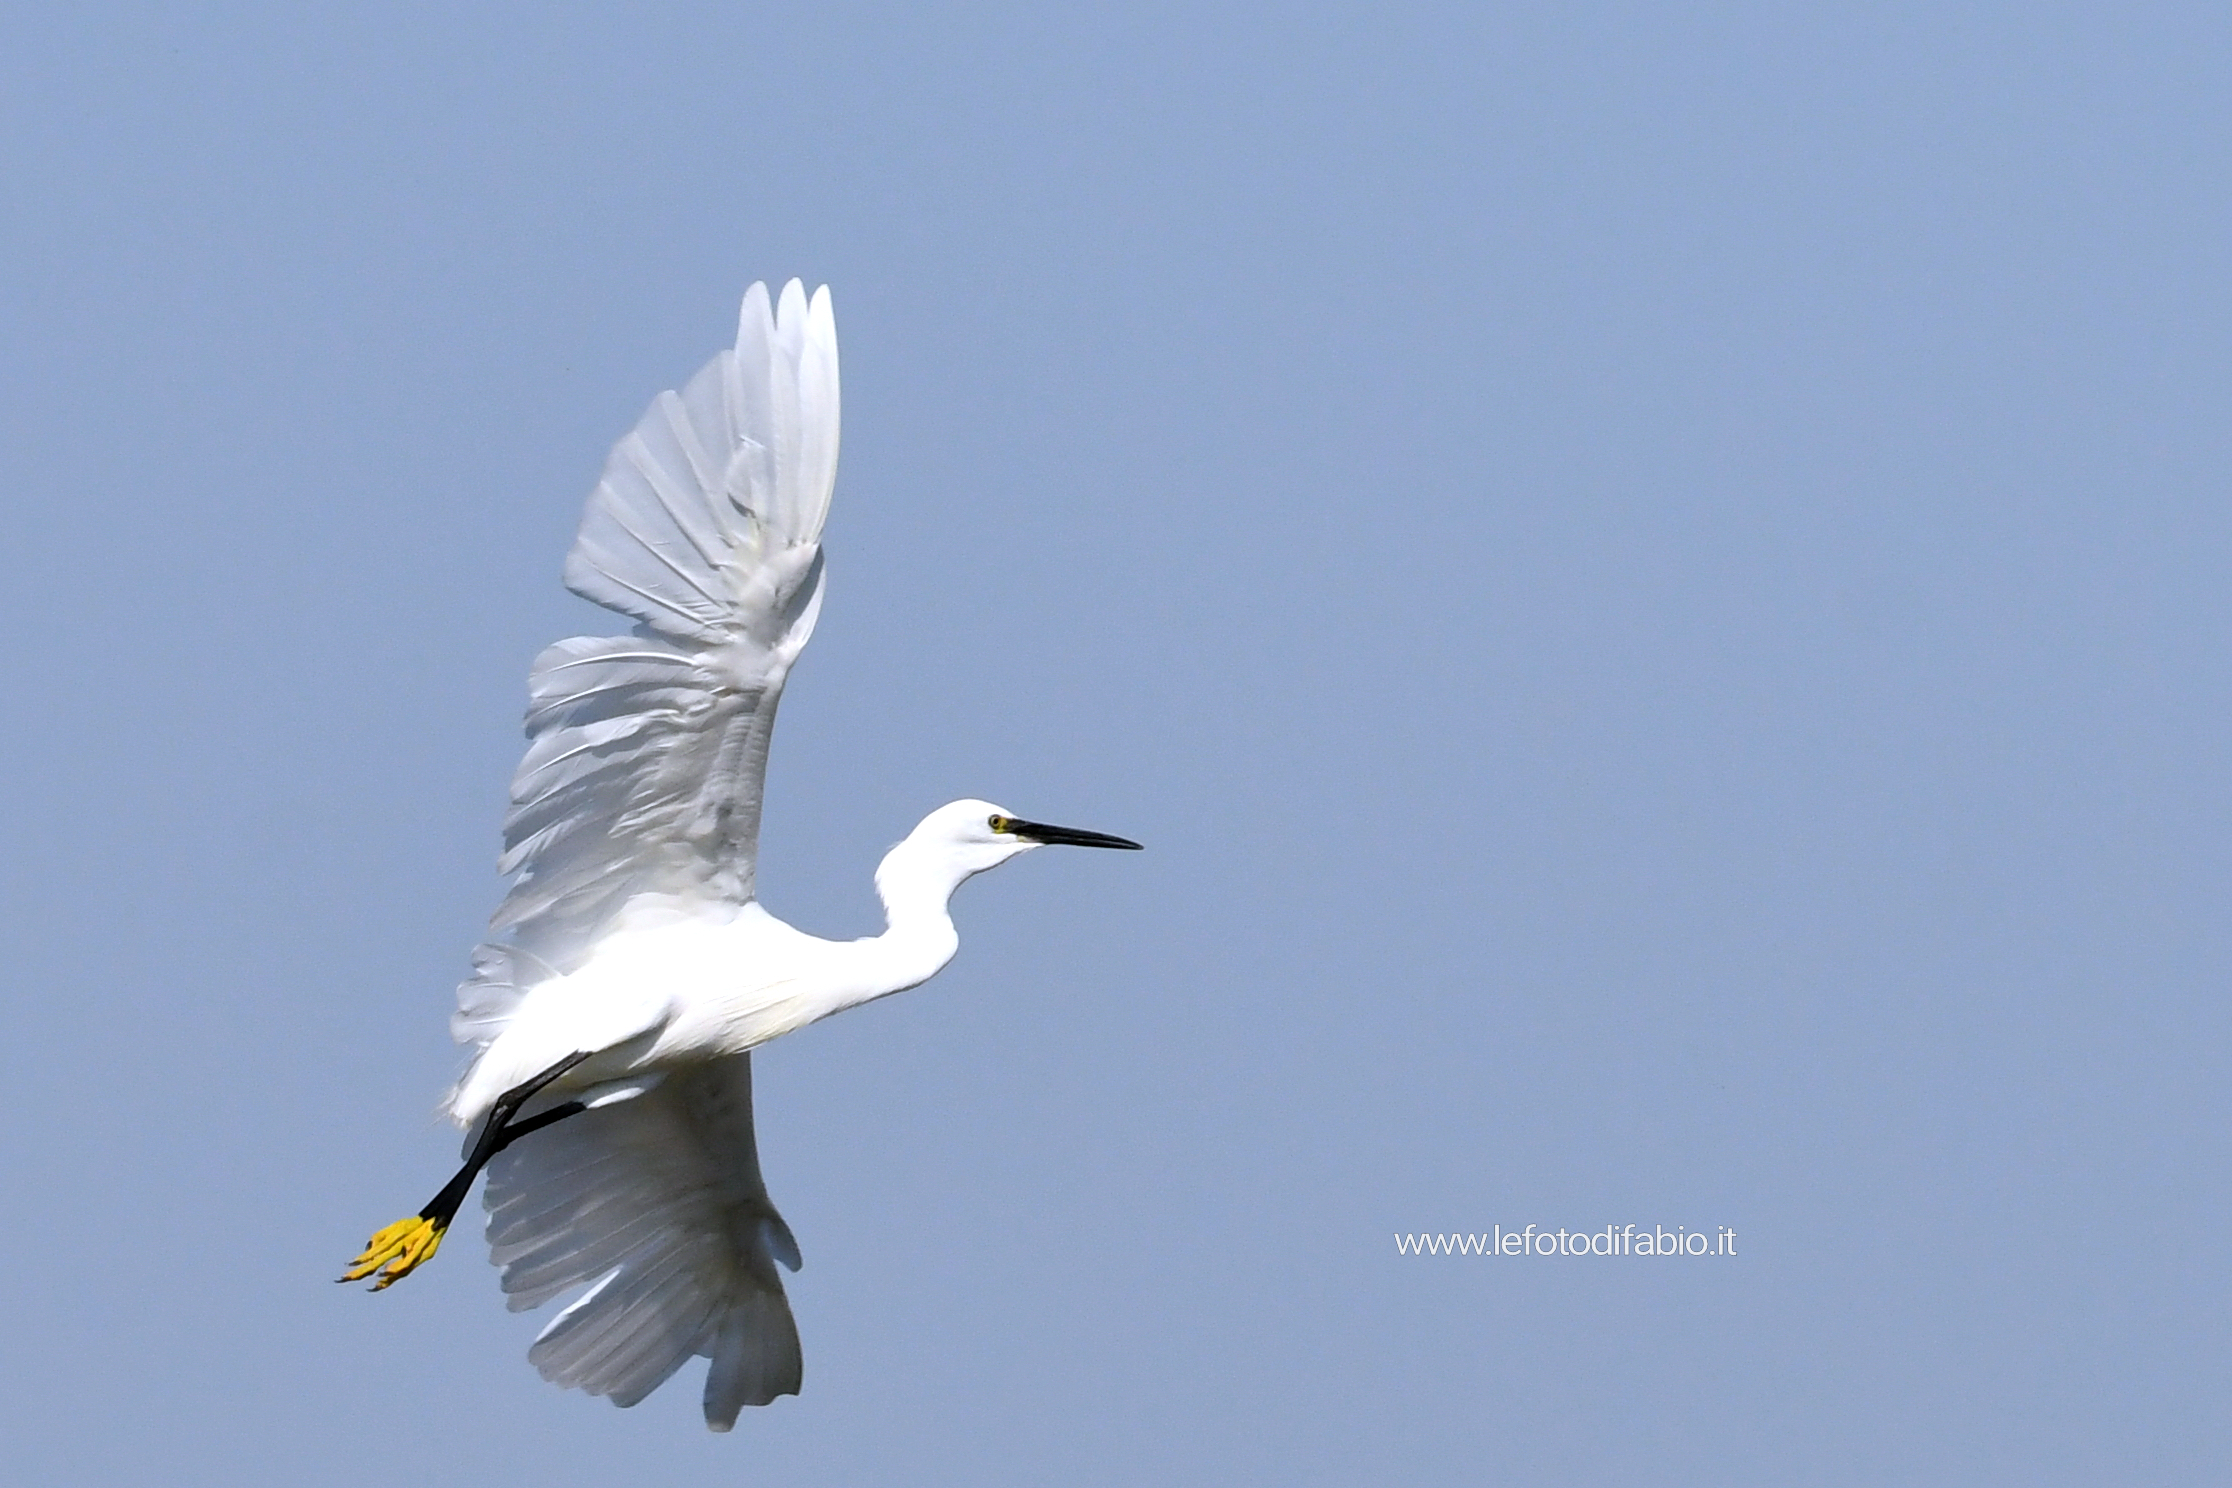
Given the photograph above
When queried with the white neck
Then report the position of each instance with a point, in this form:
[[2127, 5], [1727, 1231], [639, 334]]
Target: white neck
[[915, 884]]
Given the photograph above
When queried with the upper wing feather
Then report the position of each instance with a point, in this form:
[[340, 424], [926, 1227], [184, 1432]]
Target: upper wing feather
[[647, 752], [718, 480]]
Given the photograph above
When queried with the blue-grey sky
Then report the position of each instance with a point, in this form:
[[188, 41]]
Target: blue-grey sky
[[1654, 581]]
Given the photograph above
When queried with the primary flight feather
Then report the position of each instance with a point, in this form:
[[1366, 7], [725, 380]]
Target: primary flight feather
[[630, 971]]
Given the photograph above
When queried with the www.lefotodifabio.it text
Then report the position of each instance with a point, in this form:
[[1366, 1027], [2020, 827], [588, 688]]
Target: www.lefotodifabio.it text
[[1623, 1240]]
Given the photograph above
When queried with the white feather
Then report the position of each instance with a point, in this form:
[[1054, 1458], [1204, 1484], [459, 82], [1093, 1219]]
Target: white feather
[[641, 784], [656, 1204], [630, 971], [647, 753]]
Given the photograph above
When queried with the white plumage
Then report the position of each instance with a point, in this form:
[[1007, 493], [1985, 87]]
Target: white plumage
[[643, 778], [630, 971], [657, 1205]]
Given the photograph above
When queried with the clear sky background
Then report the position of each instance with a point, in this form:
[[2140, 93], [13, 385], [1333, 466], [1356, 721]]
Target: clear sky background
[[1654, 581]]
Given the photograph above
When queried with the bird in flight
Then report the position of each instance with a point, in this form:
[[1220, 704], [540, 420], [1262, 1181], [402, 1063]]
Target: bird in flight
[[630, 971]]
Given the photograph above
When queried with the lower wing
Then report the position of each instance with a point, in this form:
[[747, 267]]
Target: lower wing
[[656, 1206]]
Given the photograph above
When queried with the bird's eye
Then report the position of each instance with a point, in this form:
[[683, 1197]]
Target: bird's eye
[[999, 823]]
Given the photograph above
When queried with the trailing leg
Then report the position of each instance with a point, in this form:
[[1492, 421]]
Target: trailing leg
[[408, 1244]]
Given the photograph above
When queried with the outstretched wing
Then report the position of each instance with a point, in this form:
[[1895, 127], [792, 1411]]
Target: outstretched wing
[[647, 751], [656, 1206]]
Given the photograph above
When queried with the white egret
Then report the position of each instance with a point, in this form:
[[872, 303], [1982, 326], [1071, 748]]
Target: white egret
[[630, 971]]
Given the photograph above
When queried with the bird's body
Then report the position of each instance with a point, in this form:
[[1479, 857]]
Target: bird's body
[[631, 970], [675, 982]]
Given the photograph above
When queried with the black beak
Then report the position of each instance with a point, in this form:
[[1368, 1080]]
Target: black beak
[[1067, 836]]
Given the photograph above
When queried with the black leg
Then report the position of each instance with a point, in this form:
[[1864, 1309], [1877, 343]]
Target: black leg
[[404, 1246], [513, 1131], [497, 1133]]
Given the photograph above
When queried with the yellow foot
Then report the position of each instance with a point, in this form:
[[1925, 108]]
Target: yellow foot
[[402, 1248]]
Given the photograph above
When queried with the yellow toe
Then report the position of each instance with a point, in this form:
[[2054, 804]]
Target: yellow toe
[[400, 1249]]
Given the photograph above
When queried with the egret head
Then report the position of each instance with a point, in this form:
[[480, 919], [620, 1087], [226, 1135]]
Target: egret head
[[966, 837]]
